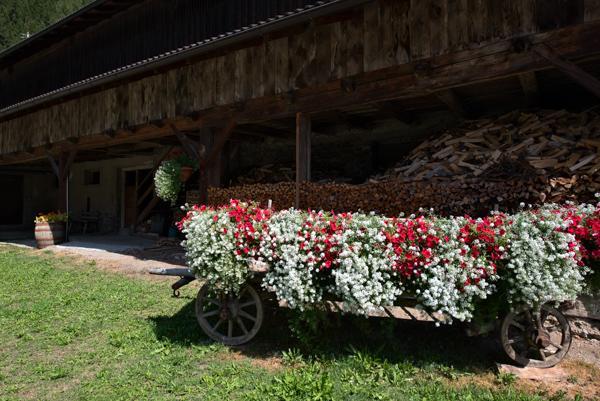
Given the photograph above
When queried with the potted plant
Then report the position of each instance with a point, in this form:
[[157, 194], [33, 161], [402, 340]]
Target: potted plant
[[50, 228], [170, 176]]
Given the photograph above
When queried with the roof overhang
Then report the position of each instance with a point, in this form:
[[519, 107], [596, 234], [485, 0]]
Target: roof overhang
[[164, 60]]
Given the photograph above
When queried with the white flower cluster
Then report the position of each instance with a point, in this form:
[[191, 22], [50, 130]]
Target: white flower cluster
[[211, 251], [541, 259], [443, 283], [291, 276], [364, 279]]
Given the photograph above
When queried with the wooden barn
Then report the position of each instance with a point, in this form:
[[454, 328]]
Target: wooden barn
[[90, 106]]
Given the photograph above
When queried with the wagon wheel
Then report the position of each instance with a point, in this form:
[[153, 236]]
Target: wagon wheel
[[229, 319], [539, 340]]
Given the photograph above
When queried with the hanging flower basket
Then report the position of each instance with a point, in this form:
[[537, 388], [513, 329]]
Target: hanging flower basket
[[185, 173], [171, 175]]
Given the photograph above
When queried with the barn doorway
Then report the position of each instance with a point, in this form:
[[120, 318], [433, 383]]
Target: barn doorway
[[11, 203], [137, 187]]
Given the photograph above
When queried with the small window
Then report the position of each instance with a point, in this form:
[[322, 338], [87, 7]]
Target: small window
[[91, 177]]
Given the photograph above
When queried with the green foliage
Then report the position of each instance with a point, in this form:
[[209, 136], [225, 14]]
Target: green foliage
[[19, 17], [308, 327], [309, 383], [505, 378]]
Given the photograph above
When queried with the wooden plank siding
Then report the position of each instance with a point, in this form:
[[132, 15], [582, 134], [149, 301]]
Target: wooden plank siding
[[382, 35]]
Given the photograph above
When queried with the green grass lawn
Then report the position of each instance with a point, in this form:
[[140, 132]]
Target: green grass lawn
[[69, 331]]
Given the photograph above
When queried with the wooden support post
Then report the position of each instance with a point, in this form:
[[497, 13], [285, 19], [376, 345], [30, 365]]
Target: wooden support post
[[207, 139], [529, 85], [303, 136], [450, 99], [221, 139], [210, 166], [588, 81], [61, 169]]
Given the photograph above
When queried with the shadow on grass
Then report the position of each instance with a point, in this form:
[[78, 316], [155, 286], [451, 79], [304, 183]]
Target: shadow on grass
[[419, 343], [180, 328]]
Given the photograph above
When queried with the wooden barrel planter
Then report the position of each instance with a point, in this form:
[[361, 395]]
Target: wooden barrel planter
[[48, 234]]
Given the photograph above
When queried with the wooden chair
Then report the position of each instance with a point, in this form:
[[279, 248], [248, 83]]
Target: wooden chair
[[86, 219]]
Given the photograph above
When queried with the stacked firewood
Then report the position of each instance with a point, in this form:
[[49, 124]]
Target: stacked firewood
[[483, 165], [271, 173], [554, 144], [446, 196], [266, 174]]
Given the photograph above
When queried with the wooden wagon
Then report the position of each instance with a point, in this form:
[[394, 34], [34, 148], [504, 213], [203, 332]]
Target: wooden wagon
[[538, 338]]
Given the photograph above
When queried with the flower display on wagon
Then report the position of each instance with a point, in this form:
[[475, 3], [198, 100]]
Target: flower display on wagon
[[219, 241], [449, 264]]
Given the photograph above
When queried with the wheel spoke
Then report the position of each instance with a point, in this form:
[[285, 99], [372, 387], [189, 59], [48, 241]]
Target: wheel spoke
[[242, 326], [213, 301], [230, 328], [515, 340], [218, 324], [211, 313], [247, 304], [247, 315], [541, 352], [517, 325], [557, 346]]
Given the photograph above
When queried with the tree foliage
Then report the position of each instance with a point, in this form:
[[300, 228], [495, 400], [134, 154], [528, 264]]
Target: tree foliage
[[21, 17]]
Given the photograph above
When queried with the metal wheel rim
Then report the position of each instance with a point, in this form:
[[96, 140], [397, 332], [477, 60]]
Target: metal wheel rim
[[523, 346], [231, 320]]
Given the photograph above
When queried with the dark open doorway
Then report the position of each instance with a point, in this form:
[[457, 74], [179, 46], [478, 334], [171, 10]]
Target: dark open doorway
[[11, 203]]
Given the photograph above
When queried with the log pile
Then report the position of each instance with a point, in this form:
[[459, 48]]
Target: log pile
[[551, 143], [447, 196], [266, 174], [271, 173], [483, 165]]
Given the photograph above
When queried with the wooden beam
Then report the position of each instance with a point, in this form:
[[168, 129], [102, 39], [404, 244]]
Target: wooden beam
[[53, 164], [452, 101], [529, 84], [389, 109], [303, 145], [109, 133], [190, 147], [488, 61], [586, 80], [222, 136]]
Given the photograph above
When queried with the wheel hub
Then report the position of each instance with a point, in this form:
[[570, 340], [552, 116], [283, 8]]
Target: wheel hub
[[229, 310]]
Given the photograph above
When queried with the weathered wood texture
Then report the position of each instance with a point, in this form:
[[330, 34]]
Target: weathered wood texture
[[386, 37], [141, 31]]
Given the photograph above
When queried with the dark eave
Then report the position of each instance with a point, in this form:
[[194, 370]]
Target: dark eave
[[161, 61]]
